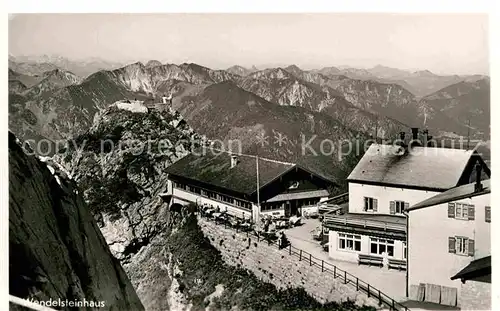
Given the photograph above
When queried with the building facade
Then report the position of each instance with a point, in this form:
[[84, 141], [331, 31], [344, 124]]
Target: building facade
[[454, 229], [229, 182], [384, 184]]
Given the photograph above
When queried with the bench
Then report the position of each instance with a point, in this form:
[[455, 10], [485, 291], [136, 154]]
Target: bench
[[370, 260], [396, 264]]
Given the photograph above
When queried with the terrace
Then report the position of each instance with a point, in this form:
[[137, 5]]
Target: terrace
[[391, 282]]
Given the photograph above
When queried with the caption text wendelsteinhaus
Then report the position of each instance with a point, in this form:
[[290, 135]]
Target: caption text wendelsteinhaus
[[64, 303]]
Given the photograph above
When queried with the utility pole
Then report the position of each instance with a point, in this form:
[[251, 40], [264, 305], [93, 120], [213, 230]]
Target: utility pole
[[376, 129]]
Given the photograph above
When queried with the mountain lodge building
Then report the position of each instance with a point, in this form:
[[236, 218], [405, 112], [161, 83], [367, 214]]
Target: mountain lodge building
[[229, 182]]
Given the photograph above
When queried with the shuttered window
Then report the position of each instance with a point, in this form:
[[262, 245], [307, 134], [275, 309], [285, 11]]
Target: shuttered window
[[487, 213], [461, 246], [461, 211]]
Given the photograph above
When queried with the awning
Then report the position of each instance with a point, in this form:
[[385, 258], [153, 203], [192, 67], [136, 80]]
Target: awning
[[477, 268], [299, 195]]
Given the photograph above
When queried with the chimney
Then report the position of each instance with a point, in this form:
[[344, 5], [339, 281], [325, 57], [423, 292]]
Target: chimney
[[234, 160], [478, 186], [164, 99], [414, 132]]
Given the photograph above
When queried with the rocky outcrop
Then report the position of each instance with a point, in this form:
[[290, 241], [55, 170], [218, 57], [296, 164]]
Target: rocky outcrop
[[56, 250], [119, 166]]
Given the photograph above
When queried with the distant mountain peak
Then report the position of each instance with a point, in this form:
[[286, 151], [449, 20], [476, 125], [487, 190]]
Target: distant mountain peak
[[293, 67], [240, 70], [153, 63], [424, 73]]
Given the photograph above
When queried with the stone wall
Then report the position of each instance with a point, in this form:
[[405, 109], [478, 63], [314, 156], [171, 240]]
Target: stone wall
[[279, 268], [475, 296]]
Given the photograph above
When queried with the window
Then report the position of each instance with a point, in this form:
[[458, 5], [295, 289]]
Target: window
[[404, 250], [380, 246], [179, 185], [461, 246], [350, 242], [242, 204], [487, 213], [370, 204], [461, 211], [397, 207], [271, 206]]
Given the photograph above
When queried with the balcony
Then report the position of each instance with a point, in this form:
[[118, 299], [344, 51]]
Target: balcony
[[386, 226]]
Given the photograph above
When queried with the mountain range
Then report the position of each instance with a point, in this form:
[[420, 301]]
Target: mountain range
[[35, 65], [238, 102]]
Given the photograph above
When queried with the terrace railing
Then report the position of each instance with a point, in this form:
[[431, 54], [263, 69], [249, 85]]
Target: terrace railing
[[339, 199], [325, 267], [344, 220]]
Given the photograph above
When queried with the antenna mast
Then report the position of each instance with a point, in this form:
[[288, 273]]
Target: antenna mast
[[258, 187], [468, 135]]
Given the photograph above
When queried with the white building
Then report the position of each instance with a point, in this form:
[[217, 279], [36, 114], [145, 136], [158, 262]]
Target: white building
[[449, 239], [386, 181]]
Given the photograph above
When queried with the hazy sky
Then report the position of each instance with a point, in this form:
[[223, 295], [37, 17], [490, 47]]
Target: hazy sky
[[441, 43]]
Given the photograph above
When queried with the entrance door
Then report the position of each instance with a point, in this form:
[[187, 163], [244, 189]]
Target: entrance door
[[288, 211], [294, 208]]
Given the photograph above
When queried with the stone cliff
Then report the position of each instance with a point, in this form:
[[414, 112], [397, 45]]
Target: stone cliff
[[56, 250]]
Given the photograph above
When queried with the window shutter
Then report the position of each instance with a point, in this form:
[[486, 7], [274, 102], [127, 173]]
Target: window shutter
[[471, 212], [451, 245], [487, 214], [392, 207], [407, 206], [451, 210], [471, 247], [375, 205]]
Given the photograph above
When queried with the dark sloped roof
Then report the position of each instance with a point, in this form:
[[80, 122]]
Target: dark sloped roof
[[214, 168], [454, 194], [477, 268], [426, 167]]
